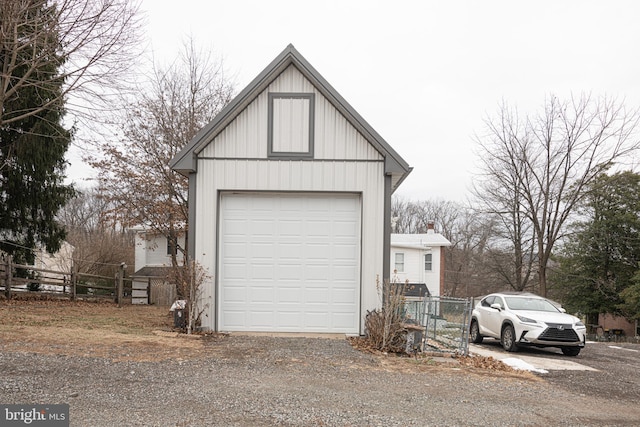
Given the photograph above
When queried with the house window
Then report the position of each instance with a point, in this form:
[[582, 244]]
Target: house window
[[171, 246], [428, 264], [291, 122], [399, 262]]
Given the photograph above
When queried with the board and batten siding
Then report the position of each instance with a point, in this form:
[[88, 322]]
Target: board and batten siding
[[334, 138]]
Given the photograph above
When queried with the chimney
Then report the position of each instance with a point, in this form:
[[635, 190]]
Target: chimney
[[431, 225]]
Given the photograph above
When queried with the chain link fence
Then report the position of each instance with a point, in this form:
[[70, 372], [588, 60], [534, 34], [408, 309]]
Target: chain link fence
[[446, 323]]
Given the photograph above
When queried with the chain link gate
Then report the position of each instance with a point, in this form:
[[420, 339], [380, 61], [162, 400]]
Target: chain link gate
[[446, 322]]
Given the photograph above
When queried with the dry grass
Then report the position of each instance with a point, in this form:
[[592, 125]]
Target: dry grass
[[93, 329]]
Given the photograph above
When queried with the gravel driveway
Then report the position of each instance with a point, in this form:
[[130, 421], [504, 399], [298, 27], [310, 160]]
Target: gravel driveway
[[265, 381]]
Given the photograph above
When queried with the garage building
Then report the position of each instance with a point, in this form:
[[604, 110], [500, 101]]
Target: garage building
[[289, 203]]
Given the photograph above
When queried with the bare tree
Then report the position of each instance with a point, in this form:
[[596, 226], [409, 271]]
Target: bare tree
[[91, 42], [470, 233], [100, 241], [536, 170], [134, 173]]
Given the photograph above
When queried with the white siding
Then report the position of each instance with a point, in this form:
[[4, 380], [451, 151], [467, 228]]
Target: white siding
[[414, 271], [291, 125], [151, 250], [365, 178], [334, 137]]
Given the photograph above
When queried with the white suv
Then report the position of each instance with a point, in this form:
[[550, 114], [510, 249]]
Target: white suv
[[517, 318]]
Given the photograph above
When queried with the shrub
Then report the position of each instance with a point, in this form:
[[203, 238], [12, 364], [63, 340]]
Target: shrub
[[384, 327]]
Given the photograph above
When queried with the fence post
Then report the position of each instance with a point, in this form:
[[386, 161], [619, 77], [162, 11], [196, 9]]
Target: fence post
[[120, 283], [8, 276], [74, 281], [149, 291]]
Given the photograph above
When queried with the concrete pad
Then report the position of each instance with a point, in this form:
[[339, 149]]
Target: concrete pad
[[289, 335], [537, 364]]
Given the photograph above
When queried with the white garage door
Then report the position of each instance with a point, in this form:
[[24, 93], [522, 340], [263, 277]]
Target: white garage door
[[289, 262]]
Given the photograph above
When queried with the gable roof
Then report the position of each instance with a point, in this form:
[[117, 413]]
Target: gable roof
[[185, 161], [419, 241]]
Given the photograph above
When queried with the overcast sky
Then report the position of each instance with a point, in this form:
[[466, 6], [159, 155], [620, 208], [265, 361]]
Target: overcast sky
[[423, 74]]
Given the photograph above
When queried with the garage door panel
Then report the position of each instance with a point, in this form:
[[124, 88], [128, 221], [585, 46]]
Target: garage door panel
[[235, 318], [344, 229], [236, 295], [317, 320], [234, 227], [342, 321], [258, 318], [290, 295], [318, 228], [317, 272], [293, 258], [346, 251], [318, 251], [290, 227], [259, 249], [293, 251], [344, 273], [235, 271], [288, 319], [319, 295], [344, 296], [261, 295]]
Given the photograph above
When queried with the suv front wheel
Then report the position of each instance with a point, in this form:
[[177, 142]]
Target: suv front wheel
[[474, 332], [508, 338], [570, 351]]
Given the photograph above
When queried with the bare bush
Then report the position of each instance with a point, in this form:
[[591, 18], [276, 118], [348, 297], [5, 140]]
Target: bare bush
[[189, 279], [384, 327]]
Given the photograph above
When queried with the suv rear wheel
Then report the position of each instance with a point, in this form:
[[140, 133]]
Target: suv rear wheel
[[474, 332], [508, 338]]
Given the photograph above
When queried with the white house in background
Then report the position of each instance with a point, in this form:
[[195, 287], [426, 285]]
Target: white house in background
[[152, 264], [61, 261], [290, 206], [419, 259]]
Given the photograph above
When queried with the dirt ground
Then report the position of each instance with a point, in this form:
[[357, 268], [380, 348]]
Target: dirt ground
[[94, 329], [143, 333], [118, 363]]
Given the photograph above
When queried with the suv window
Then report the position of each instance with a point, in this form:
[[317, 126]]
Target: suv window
[[488, 301], [500, 301]]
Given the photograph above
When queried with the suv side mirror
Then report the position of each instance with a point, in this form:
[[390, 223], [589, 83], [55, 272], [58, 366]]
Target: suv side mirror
[[497, 306]]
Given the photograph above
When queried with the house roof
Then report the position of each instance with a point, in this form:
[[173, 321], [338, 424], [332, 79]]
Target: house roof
[[419, 241], [152, 272], [185, 161]]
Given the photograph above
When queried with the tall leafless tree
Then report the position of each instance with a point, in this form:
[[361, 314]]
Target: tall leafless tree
[[537, 169], [471, 234], [170, 109], [92, 42]]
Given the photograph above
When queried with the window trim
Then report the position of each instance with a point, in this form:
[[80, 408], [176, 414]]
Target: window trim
[[430, 255], [285, 154], [395, 262]]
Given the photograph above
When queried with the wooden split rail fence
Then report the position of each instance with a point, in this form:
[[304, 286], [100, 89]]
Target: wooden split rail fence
[[15, 278]]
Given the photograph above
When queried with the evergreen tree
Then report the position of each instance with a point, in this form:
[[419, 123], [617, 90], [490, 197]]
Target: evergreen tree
[[602, 258], [32, 152]]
